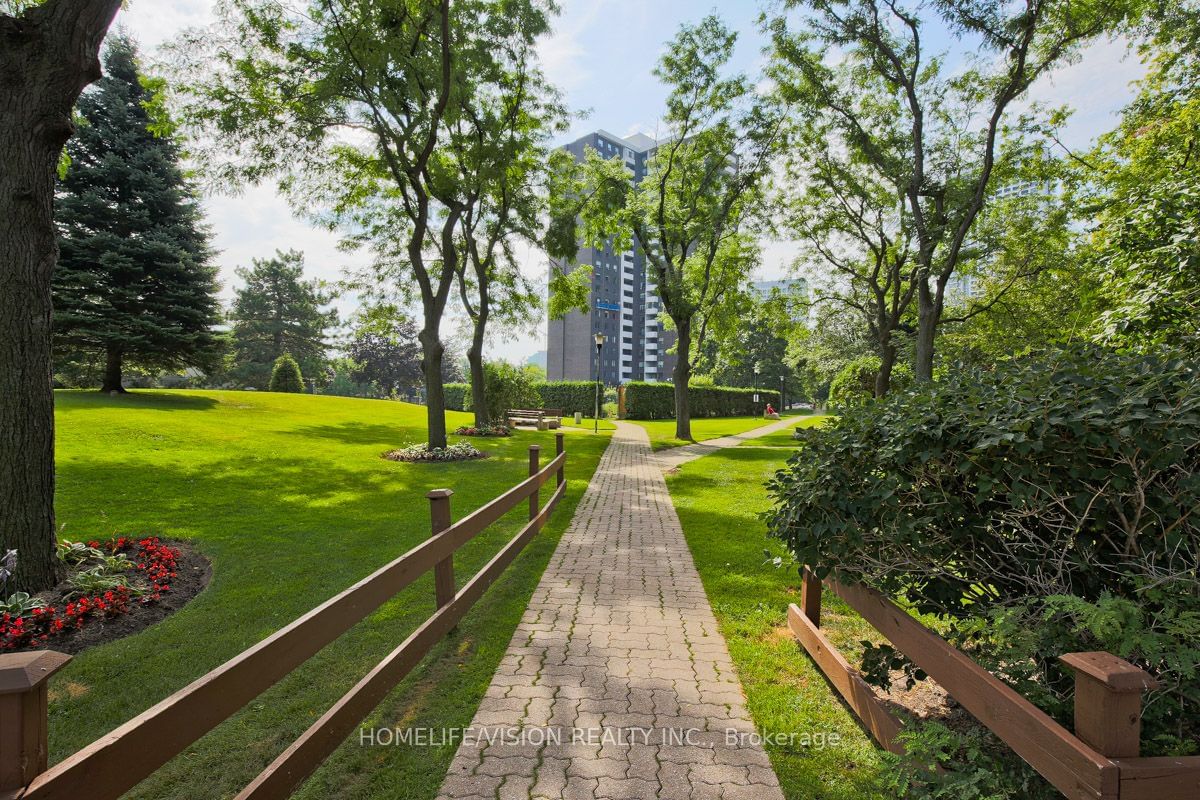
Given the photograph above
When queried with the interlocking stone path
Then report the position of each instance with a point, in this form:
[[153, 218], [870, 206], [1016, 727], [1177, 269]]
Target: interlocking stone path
[[617, 683], [674, 456]]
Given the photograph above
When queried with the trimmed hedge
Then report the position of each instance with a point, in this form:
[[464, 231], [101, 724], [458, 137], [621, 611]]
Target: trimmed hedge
[[570, 396], [657, 401], [456, 394]]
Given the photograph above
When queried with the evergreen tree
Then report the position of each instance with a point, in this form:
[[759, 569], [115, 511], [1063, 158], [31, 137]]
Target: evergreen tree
[[278, 312], [134, 280], [285, 376]]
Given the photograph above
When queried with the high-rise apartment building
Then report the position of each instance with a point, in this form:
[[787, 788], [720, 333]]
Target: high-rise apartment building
[[623, 303]]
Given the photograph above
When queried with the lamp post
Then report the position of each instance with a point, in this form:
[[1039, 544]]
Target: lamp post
[[757, 370], [782, 406], [599, 346]]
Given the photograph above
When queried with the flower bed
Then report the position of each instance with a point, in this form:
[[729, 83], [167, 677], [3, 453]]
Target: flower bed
[[459, 451], [484, 430], [105, 580]]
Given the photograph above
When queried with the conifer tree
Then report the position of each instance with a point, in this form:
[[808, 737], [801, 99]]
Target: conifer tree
[[134, 281], [285, 376], [278, 312]]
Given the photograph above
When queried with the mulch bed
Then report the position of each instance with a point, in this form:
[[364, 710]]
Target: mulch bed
[[193, 572]]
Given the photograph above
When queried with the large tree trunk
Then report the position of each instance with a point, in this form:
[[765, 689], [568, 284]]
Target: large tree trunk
[[475, 359], [112, 370], [478, 389], [435, 396], [929, 313], [47, 56], [681, 374], [887, 361]]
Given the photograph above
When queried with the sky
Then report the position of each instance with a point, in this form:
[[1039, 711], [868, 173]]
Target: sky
[[601, 54]]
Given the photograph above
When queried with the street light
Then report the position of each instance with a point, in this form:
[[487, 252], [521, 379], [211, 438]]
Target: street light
[[757, 370], [599, 346], [781, 384]]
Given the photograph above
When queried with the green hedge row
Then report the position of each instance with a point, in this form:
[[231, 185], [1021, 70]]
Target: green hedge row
[[570, 396], [657, 401], [456, 395]]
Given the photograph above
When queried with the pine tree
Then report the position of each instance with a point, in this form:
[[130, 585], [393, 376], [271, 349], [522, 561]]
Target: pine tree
[[286, 377], [134, 281], [278, 312]]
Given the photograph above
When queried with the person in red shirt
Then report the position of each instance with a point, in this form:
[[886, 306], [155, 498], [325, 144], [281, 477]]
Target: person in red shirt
[[770, 410]]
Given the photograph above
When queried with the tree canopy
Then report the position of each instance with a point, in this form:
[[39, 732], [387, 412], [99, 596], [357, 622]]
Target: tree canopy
[[135, 279], [277, 311]]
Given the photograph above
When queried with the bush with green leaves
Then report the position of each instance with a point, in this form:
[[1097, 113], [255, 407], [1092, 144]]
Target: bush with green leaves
[[645, 400], [457, 395], [505, 387], [285, 376], [1042, 507], [570, 396], [854, 385]]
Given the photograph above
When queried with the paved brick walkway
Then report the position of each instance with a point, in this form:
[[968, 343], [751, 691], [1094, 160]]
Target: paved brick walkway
[[674, 456], [617, 683]]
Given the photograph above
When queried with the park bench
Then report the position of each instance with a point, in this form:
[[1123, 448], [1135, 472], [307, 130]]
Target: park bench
[[541, 418]]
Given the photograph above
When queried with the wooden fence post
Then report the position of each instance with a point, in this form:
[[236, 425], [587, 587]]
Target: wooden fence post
[[1108, 702], [439, 519], [810, 597], [24, 724], [535, 454], [558, 451]]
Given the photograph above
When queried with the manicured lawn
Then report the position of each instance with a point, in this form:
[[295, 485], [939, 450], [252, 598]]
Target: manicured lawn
[[662, 431], [288, 496], [587, 423], [718, 498], [783, 438]]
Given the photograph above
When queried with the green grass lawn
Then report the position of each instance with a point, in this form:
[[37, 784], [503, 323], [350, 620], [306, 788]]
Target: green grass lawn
[[662, 431], [718, 498], [288, 497], [783, 438]]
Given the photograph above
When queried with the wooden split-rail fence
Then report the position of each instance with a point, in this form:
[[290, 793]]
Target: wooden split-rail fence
[[119, 760], [1099, 761]]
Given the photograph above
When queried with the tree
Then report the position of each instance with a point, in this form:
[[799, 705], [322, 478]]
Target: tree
[[1142, 181], [758, 339], [286, 376], [134, 278], [820, 349], [386, 351], [278, 312], [49, 52], [693, 211], [354, 104], [506, 175], [933, 133], [855, 237]]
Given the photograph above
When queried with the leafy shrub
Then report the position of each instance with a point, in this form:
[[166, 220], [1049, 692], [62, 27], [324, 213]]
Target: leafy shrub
[[457, 395], [285, 376], [1043, 507], [854, 385], [459, 451], [570, 396], [657, 401], [505, 387]]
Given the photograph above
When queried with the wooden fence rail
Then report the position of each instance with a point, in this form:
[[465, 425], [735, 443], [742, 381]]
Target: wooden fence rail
[[119, 760], [1098, 762]]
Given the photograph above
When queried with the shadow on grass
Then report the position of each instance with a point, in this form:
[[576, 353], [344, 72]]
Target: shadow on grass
[[143, 401], [719, 498], [285, 534], [356, 434]]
